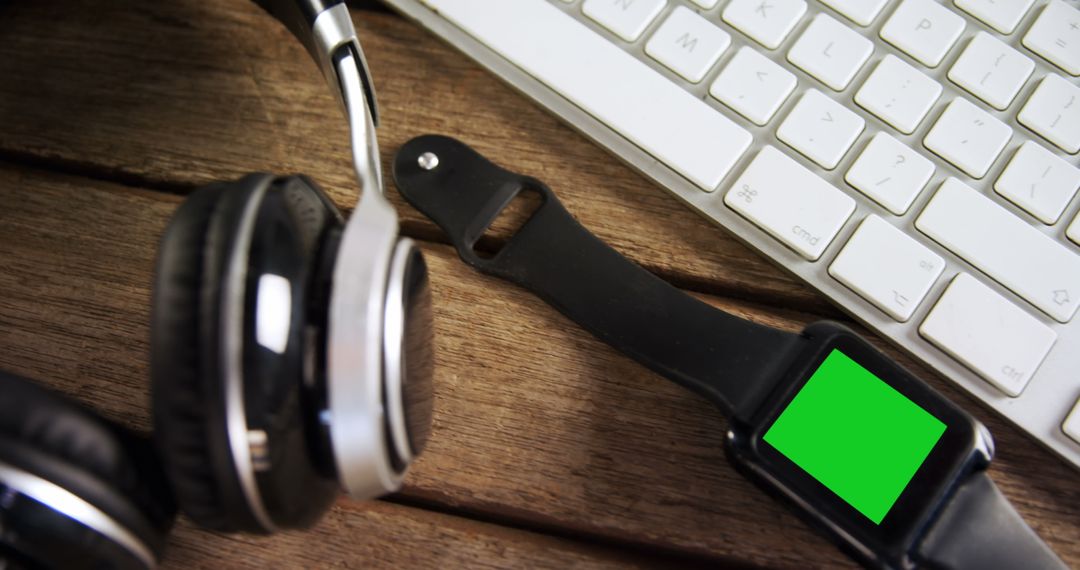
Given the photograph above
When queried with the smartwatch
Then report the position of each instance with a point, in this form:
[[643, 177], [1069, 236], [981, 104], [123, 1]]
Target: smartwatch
[[888, 468]]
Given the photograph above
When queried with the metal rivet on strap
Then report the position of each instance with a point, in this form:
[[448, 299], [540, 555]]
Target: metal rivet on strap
[[428, 161]]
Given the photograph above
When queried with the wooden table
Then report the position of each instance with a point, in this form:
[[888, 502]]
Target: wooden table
[[549, 449]]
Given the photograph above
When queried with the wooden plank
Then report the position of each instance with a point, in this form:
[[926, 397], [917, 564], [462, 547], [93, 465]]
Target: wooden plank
[[537, 424], [177, 94], [377, 534]]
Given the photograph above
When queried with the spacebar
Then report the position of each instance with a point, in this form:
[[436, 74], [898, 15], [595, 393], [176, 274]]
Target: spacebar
[[650, 110]]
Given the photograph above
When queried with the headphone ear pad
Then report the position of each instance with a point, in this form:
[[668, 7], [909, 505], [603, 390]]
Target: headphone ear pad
[[52, 438], [187, 394]]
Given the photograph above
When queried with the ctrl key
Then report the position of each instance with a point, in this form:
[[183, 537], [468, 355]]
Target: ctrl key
[[790, 203], [989, 334]]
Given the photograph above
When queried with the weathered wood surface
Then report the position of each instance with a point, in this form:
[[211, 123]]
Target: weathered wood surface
[[378, 534], [537, 426], [177, 94]]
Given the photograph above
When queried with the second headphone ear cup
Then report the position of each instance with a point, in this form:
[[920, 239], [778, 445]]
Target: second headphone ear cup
[[53, 439], [187, 390]]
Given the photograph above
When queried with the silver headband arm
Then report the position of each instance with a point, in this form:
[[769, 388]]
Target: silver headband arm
[[333, 30], [343, 63], [323, 26], [331, 40], [365, 146]]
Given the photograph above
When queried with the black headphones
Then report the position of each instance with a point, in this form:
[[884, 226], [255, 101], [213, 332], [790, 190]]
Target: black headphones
[[291, 355]]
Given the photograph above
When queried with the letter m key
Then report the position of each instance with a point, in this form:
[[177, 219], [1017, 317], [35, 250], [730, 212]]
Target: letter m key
[[687, 41]]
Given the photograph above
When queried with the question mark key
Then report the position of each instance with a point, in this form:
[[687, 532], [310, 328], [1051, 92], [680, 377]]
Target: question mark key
[[907, 171]]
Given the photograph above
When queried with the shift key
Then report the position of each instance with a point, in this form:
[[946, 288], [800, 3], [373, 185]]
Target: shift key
[[790, 202], [1008, 249]]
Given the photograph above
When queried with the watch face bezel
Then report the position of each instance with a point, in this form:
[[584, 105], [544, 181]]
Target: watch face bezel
[[961, 448]]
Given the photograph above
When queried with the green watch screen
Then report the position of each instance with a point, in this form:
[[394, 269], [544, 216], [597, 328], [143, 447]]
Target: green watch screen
[[855, 434]]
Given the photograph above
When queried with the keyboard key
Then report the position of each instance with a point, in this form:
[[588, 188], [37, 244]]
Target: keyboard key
[[923, 29], [862, 12], [821, 129], [1002, 16], [679, 129], [688, 44], [890, 173], [991, 70], [887, 267], [1056, 36], [1039, 182], [789, 202], [898, 94], [968, 137], [1073, 232], [1071, 427], [998, 340], [624, 18], [753, 85], [831, 52], [1020, 257], [767, 22], [1053, 112], [706, 4]]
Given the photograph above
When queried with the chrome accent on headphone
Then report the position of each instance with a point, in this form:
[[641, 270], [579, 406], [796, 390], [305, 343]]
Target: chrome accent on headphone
[[355, 372], [333, 28], [232, 365], [355, 322], [72, 506], [259, 446], [418, 353], [394, 363], [365, 146]]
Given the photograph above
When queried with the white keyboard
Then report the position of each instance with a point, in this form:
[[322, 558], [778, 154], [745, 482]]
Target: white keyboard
[[915, 161]]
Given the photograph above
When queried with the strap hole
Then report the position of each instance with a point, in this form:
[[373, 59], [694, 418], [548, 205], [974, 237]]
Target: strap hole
[[507, 224]]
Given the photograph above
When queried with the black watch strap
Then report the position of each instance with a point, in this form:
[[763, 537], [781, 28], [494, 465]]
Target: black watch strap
[[729, 360], [980, 529]]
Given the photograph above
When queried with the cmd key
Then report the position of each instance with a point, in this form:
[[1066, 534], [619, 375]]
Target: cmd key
[[790, 203]]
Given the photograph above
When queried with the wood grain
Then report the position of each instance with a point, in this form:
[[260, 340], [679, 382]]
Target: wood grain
[[537, 424], [377, 534], [176, 94]]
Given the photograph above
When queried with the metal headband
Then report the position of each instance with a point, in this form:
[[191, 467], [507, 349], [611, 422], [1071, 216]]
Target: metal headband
[[345, 68], [326, 30]]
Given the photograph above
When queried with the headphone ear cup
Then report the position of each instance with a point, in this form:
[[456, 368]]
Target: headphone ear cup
[[47, 441], [220, 245], [189, 423]]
